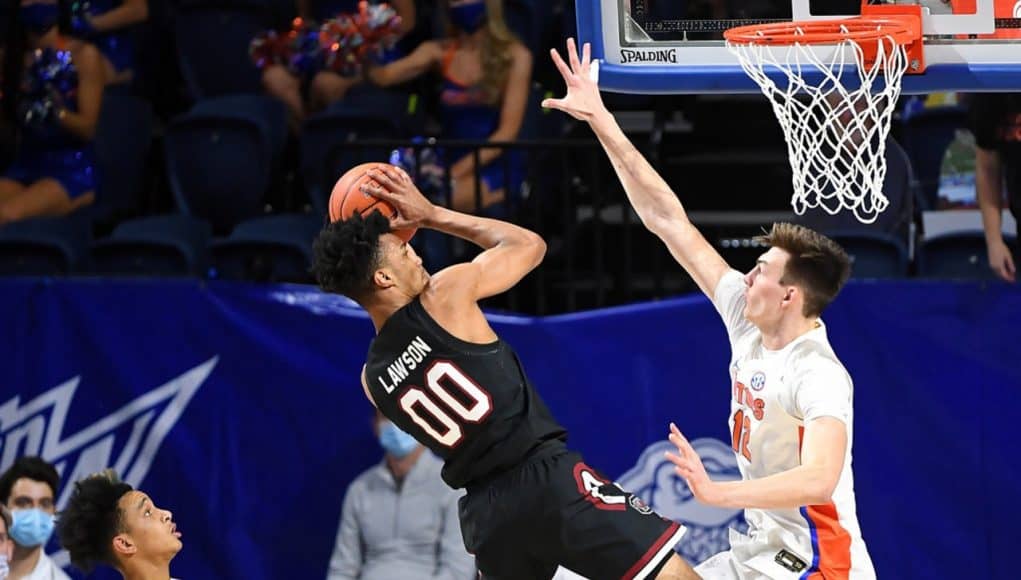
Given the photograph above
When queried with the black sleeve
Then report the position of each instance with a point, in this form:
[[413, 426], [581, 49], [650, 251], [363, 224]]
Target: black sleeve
[[985, 113]]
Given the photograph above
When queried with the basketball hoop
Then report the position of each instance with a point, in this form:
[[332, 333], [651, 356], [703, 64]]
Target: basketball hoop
[[843, 80]]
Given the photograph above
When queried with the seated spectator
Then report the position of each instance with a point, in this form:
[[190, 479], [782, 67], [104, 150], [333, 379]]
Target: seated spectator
[[400, 519], [108, 522], [53, 88], [28, 489], [325, 87], [108, 24], [895, 220], [486, 80], [6, 544]]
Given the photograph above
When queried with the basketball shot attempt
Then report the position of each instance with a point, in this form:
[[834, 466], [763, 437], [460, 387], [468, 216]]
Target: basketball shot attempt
[[438, 371], [791, 398]]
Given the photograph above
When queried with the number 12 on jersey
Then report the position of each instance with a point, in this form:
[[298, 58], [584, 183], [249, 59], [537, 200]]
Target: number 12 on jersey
[[438, 403], [742, 431]]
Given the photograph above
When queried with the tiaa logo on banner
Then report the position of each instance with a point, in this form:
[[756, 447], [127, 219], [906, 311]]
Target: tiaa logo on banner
[[135, 431], [654, 480]]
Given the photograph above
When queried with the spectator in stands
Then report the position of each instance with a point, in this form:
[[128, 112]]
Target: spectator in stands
[[399, 519], [6, 544], [28, 489], [108, 24], [108, 522], [996, 123], [486, 80], [52, 91], [326, 87]]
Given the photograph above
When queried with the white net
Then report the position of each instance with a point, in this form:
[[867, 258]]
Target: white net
[[836, 127]]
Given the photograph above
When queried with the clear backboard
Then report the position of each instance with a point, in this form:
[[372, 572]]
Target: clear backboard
[[676, 46]]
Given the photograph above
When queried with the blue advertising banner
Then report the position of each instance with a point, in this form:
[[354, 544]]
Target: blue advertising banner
[[238, 407]]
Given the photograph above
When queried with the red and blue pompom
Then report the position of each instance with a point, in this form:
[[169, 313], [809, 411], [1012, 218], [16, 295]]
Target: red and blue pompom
[[342, 44]]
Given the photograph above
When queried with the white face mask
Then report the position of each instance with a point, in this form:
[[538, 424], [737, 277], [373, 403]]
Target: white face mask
[[4, 568]]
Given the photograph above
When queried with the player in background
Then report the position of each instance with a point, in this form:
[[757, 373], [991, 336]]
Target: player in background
[[438, 371], [791, 407]]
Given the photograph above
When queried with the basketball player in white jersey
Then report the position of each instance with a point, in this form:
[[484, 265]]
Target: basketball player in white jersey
[[791, 407]]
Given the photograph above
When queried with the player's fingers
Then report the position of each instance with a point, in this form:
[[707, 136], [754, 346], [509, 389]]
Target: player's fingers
[[674, 458], [383, 178], [558, 104], [377, 192], [586, 56], [674, 429], [560, 64], [572, 54], [392, 174]]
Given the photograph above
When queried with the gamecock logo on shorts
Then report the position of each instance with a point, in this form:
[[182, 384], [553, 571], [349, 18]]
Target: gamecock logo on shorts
[[653, 480]]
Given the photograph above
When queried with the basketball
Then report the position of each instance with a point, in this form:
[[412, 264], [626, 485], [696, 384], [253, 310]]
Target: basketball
[[347, 198]]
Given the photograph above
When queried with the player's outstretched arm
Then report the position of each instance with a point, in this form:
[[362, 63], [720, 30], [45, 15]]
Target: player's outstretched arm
[[811, 483], [656, 204], [511, 252]]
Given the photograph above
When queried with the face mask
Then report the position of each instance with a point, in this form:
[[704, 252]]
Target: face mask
[[4, 567], [394, 441], [39, 18], [31, 528], [468, 17]]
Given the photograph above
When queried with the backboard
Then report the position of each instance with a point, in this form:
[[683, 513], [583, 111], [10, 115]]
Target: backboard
[[676, 46]]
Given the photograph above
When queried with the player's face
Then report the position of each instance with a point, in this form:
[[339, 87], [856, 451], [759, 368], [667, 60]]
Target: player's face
[[765, 293], [405, 264], [150, 532]]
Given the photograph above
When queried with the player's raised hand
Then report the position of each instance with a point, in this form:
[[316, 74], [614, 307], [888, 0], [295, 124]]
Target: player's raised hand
[[582, 100], [688, 465], [398, 189]]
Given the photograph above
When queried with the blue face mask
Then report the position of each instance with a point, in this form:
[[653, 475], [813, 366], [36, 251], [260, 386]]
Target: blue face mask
[[394, 441], [31, 528], [468, 17], [39, 18]]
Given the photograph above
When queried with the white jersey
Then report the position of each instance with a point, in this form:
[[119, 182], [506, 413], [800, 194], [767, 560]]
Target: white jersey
[[774, 395]]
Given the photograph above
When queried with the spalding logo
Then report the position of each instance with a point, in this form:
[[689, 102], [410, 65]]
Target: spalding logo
[[653, 480]]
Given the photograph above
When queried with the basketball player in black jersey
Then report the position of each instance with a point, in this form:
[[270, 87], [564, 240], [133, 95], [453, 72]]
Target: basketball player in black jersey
[[439, 372]]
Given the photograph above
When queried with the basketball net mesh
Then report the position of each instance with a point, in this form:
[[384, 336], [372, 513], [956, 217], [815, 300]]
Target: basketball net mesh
[[835, 130]]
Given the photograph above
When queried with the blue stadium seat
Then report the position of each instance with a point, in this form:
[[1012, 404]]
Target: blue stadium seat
[[269, 113], [926, 136], [957, 256], [329, 146], [272, 248], [123, 139], [873, 254], [212, 47], [218, 167], [164, 245], [45, 246]]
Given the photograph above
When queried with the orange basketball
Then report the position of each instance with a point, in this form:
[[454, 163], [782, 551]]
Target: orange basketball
[[347, 198]]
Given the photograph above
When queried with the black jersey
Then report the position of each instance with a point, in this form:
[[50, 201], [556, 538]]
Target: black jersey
[[469, 403]]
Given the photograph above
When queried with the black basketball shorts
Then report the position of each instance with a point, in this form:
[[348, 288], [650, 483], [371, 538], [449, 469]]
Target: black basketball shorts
[[555, 510]]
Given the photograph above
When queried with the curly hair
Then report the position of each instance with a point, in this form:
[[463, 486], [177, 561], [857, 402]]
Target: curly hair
[[92, 519], [346, 253], [34, 468]]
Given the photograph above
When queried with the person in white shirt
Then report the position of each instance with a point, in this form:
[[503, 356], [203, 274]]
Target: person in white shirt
[[791, 410], [27, 488], [108, 522]]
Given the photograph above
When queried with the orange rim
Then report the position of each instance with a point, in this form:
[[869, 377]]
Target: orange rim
[[859, 30]]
